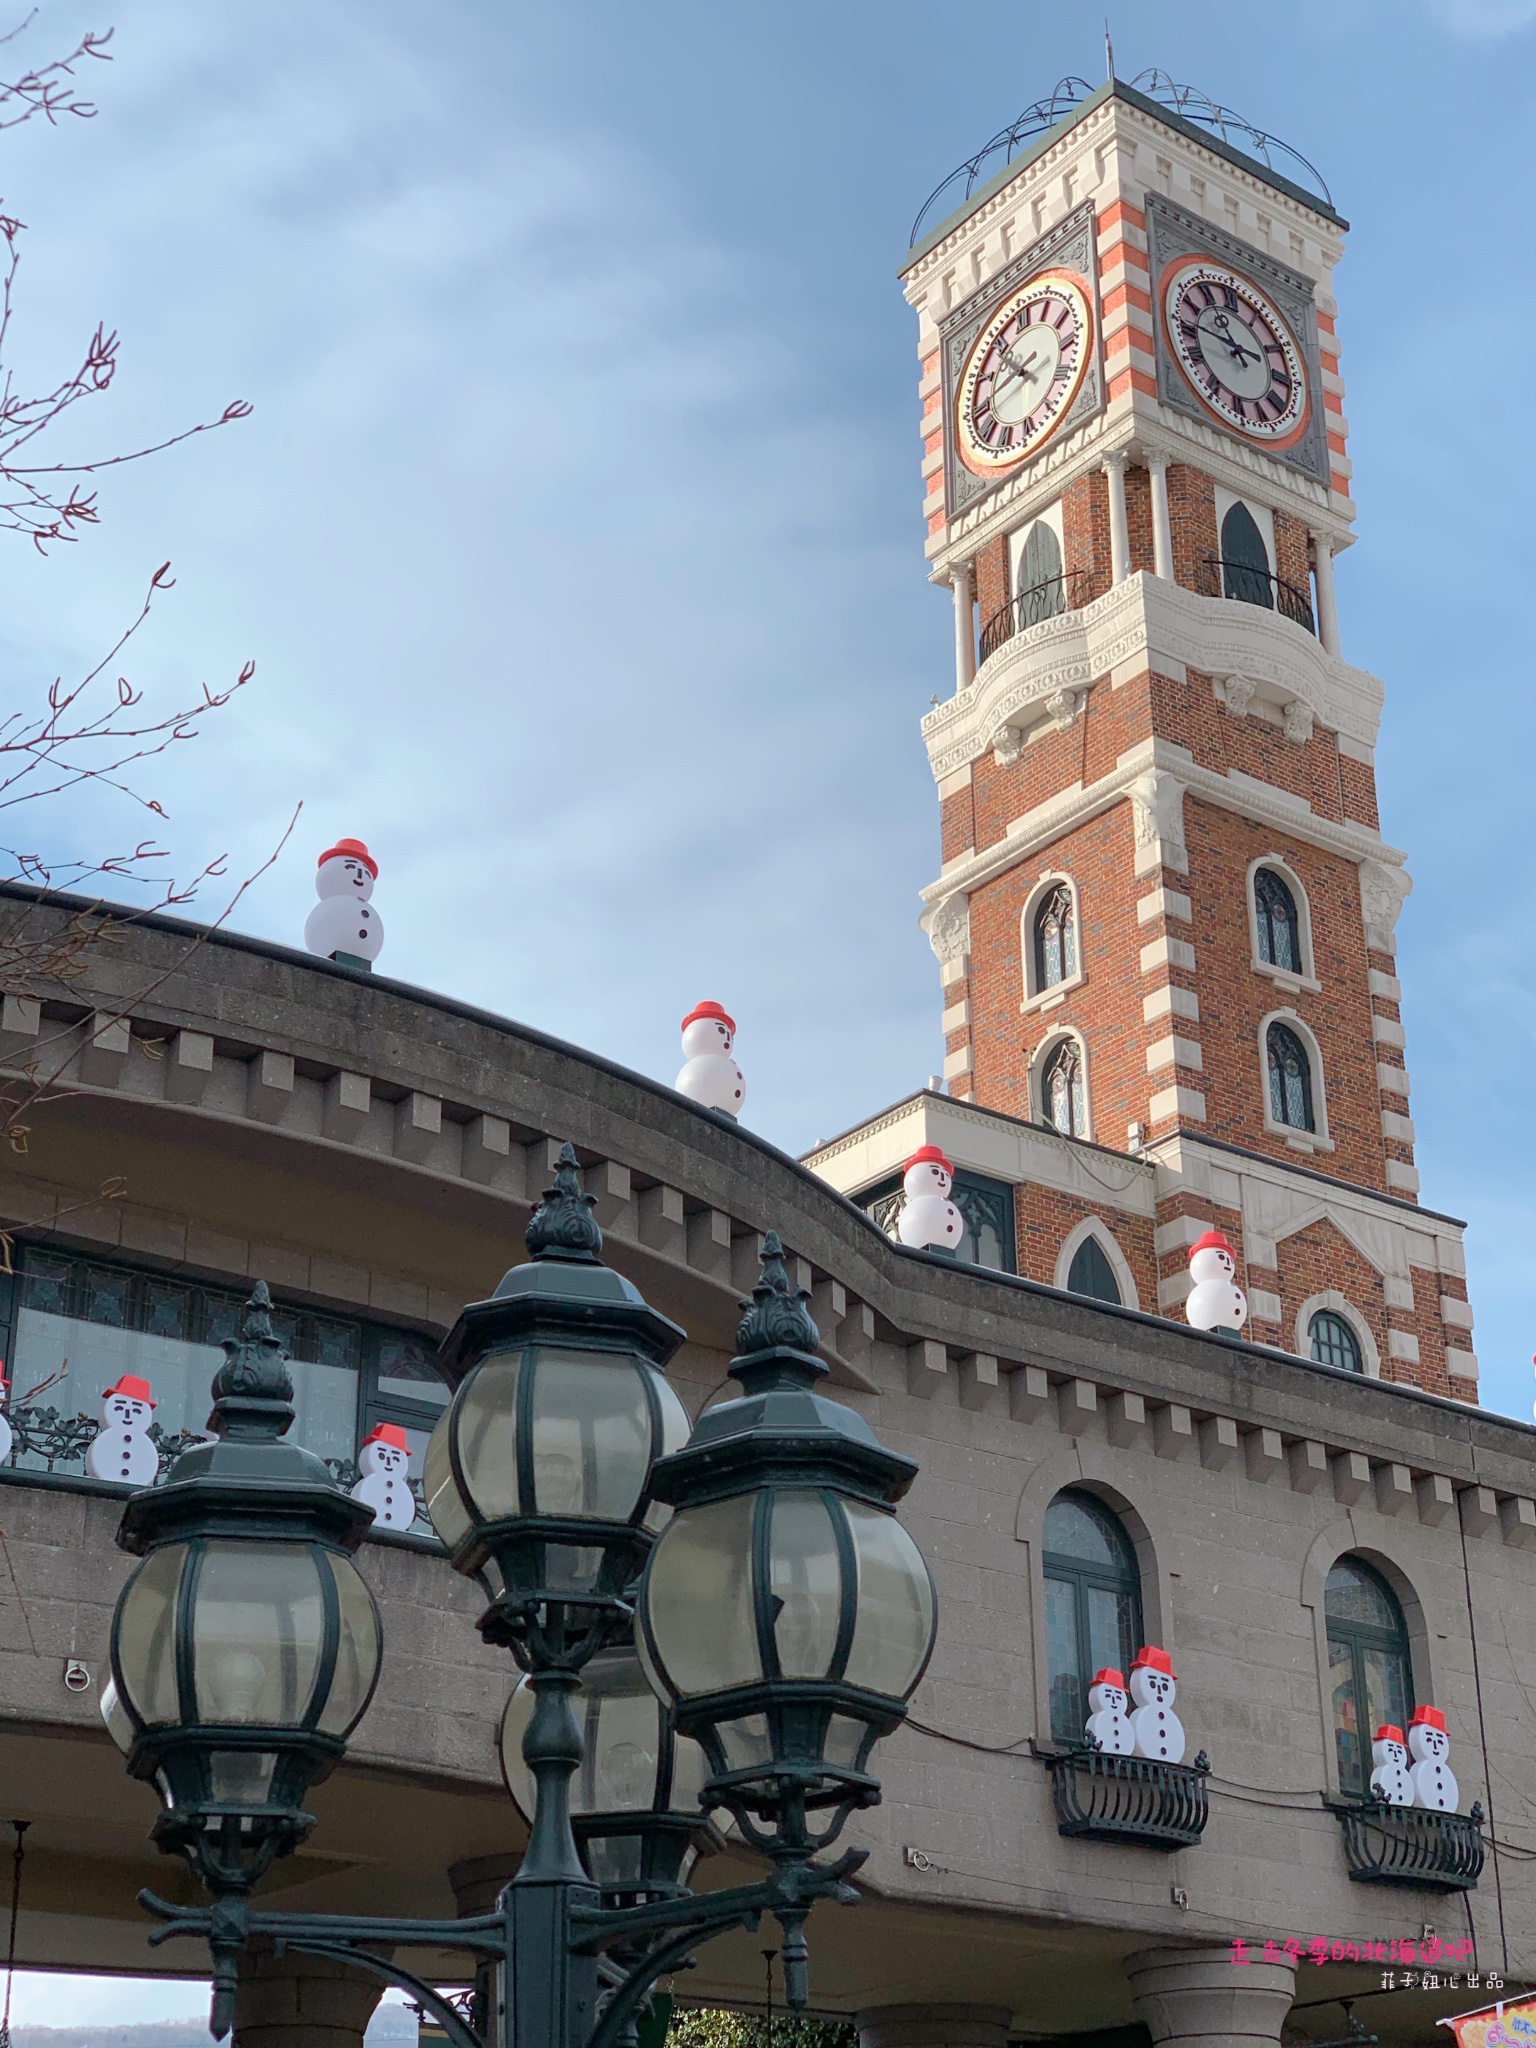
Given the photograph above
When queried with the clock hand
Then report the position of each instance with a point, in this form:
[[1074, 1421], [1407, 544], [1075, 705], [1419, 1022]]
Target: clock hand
[[1223, 327]]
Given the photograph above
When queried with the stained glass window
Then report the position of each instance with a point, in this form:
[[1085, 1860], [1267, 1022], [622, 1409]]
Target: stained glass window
[[1055, 939], [1279, 926], [1063, 1096], [1369, 1673], [1290, 1079], [1092, 1604]]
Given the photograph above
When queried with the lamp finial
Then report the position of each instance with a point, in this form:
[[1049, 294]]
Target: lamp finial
[[563, 1226]]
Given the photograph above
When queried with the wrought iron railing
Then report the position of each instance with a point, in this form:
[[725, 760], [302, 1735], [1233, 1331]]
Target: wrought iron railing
[[1216, 577], [1068, 592], [1411, 1845], [1107, 1798]]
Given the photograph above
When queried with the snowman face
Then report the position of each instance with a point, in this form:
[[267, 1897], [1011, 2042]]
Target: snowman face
[[382, 1457], [343, 876], [1389, 1752], [928, 1177], [706, 1035], [1107, 1699], [121, 1411], [1212, 1264], [1429, 1745], [1151, 1688]]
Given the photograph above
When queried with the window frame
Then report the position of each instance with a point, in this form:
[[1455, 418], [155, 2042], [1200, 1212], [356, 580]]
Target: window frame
[[1074, 1571], [1283, 977], [1072, 1244], [1359, 1636], [1047, 1049], [1331, 1302], [1318, 1138], [1035, 996], [879, 1198]]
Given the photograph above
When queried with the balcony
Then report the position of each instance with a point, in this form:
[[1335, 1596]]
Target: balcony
[[1411, 1846], [1133, 1799], [1247, 585], [1068, 592]]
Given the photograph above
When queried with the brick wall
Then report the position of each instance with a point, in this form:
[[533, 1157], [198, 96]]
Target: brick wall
[[992, 590], [1046, 1217], [1191, 521], [1085, 535]]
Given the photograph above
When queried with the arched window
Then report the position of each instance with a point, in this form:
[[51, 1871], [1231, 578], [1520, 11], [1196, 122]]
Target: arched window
[[1369, 1674], [1038, 587], [1244, 559], [1055, 938], [1092, 1604], [1279, 926], [1091, 1273], [1290, 1079], [1333, 1342], [1063, 1098]]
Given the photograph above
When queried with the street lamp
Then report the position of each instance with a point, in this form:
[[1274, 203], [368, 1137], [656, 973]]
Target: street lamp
[[786, 1618]]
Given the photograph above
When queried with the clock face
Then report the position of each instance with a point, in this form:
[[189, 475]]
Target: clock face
[[1025, 369], [1236, 351]]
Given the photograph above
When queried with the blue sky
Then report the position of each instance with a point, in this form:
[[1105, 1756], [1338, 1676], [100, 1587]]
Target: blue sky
[[576, 533]]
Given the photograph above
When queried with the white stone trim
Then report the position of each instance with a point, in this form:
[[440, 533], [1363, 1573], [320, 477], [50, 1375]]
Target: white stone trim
[[1169, 1001], [1048, 1044], [1403, 1344], [1331, 1298], [1455, 1313], [1282, 977], [1094, 1226], [1185, 1102], [1307, 1141], [1035, 997]]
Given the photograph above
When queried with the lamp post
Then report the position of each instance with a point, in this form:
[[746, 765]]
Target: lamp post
[[786, 1618]]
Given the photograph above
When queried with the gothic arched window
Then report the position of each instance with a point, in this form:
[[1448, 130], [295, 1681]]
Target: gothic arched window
[[1369, 1674], [1290, 1079], [1279, 926], [1063, 1097], [1092, 1604], [1091, 1273], [1244, 559], [1038, 586], [1333, 1342], [1055, 938]]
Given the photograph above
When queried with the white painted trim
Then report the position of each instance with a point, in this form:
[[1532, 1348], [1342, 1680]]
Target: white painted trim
[[1093, 1226], [1317, 1139], [1331, 1298], [1041, 1054], [1034, 997], [1282, 977]]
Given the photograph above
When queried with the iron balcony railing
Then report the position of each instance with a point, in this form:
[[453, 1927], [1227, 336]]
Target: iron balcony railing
[[1068, 592], [1106, 1798], [1412, 1846], [1216, 577]]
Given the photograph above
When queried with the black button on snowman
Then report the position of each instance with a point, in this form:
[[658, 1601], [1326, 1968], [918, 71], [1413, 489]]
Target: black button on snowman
[[344, 924]]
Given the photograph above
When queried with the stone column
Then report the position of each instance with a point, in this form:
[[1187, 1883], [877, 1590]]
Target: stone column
[[1119, 530], [1162, 526], [1327, 612], [965, 625], [297, 2001], [1200, 1997], [934, 2026]]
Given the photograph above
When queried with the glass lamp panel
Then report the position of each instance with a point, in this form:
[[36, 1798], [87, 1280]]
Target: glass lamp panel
[[257, 1629], [115, 1714], [690, 1767], [894, 1627], [571, 1567], [484, 1418], [805, 1582], [514, 1725], [675, 1432], [358, 1649], [615, 1862], [591, 1435], [698, 1600], [146, 1637], [618, 1772], [746, 1742], [845, 1738], [241, 1777], [449, 1516]]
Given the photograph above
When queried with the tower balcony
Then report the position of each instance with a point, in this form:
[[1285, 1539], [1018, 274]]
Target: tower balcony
[[1245, 584]]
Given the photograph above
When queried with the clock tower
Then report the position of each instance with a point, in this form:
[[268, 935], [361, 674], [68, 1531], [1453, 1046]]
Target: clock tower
[[1164, 912]]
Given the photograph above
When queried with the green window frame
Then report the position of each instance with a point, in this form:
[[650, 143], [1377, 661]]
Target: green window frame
[[1092, 1603], [1370, 1667]]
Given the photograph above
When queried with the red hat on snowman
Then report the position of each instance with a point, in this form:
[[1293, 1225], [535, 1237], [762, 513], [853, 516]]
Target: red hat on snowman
[[711, 1010], [350, 849], [1387, 1733], [1149, 1658], [1213, 1241], [1428, 1717], [386, 1433], [924, 1154], [132, 1388], [1108, 1676]]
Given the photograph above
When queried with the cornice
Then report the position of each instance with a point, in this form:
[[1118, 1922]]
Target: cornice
[[1249, 798], [1147, 615]]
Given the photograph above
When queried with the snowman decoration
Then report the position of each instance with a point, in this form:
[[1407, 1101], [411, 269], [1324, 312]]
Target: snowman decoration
[[929, 1220], [384, 1460], [709, 1075], [1217, 1302], [1433, 1784], [1391, 1780], [344, 925], [1157, 1729], [1109, 1720], [121, 1448]]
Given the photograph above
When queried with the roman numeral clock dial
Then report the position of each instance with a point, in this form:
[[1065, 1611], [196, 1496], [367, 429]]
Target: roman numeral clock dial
[[1024, 370], [1236, 351]]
